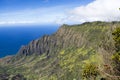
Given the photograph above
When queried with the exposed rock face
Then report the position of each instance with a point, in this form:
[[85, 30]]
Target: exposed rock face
[[96, 34], [65, 37], [40, 46], [5, 60], [69, 36]]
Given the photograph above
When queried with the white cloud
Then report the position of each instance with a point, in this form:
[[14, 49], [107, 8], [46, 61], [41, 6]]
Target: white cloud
[[32, 16], [16, 22], [98, 10]]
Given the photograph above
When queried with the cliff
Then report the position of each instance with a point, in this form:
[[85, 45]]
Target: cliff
[[64, 54], [86, 34]]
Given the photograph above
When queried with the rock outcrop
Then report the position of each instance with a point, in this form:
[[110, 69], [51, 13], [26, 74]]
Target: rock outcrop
[[69, 36], [63, 38]]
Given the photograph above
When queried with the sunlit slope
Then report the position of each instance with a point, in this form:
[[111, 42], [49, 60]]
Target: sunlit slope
[[65, 54]]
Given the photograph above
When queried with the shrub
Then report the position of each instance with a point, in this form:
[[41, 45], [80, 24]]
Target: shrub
[[90, 71], [116, 56]]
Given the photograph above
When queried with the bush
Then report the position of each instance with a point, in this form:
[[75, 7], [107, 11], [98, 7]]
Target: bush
[[116, 38], [90, 71], [116, 56]]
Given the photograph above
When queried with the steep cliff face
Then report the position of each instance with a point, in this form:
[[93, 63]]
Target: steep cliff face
[[63, 38], [39, 46], [87, 34], [64, 54]]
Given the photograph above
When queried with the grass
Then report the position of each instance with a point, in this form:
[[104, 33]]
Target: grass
[[76, 46]]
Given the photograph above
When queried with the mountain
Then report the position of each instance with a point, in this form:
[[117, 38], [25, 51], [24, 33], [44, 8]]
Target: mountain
[[74, 52]]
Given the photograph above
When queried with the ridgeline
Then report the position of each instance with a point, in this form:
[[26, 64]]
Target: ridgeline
[[74, 52]]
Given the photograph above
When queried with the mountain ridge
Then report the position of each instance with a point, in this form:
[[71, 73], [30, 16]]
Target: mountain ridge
[[67, 51]]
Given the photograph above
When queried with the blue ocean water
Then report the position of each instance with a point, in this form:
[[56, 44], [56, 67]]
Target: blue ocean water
[[12, 38]]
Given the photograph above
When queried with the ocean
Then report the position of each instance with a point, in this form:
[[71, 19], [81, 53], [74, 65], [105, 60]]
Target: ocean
[[12, 38]]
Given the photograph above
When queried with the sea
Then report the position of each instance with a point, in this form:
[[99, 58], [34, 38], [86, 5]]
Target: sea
[[12, 38]]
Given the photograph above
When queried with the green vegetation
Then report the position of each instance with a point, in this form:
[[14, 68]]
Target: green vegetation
[[74, 61], [90, 71], [116, 56], [74, 52]]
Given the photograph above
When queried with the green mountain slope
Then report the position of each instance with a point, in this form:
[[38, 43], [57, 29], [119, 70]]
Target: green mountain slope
[[74, 52]]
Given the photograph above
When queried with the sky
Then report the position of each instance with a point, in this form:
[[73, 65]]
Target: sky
[[44, 12]]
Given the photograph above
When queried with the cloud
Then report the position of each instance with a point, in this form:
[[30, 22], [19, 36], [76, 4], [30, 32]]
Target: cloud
[[32, 16], [98, 10], [16, 22]]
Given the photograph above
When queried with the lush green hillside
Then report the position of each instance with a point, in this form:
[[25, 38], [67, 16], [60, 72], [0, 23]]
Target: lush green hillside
[[74, 52]]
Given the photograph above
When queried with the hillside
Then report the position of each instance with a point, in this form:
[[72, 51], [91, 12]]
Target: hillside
[[67, 54]]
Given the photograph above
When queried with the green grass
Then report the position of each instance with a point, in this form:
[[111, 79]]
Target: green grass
[[77, 46]]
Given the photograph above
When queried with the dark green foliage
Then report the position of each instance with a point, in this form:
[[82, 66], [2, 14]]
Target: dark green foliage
[[116, 37], [90, 71], [18, 77], [116, 56], [102, 79], [5, 76]]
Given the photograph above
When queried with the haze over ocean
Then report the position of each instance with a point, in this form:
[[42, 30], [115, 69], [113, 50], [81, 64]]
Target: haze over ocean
[[12, 38]]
